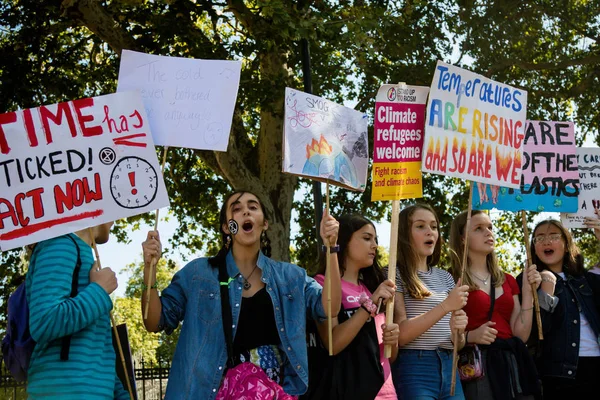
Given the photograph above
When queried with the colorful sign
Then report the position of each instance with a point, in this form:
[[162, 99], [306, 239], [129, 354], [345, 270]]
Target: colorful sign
[[73, 165], [325, 141], [189, 102], [474, 128], [550, 176], [588, 159], [398, 142]]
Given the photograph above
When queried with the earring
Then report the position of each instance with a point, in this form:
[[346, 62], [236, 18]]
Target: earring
[[228, 242], [233, 226]]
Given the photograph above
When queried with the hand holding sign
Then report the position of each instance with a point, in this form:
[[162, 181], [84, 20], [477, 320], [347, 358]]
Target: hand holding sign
[[152, 248], [594, 222], [105, 277]]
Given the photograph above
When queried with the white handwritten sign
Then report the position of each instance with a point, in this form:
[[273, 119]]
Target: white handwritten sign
[[69, 166], [588, 159], [325, 141], [189, 102]]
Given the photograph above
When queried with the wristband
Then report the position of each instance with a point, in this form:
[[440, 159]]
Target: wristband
[[367, 304], [155, 286], [332, 249]]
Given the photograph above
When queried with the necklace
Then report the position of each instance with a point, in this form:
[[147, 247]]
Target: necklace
[[247, 285], [485, 281]]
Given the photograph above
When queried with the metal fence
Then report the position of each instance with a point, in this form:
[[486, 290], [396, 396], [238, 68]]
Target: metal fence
[[150, 382]]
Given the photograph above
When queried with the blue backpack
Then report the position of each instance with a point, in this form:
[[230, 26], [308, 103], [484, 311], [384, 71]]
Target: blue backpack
[[17, 344]]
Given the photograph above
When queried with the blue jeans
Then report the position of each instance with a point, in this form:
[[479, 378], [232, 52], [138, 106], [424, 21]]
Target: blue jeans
[[425, 375]]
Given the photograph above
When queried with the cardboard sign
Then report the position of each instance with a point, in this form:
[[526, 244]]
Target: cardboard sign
[[474, 128], [325, 141], [73, 165], [550, 177], [398, 142], [189, 102], [588, 159]]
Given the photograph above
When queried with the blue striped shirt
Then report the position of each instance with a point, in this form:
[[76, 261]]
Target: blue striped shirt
[[90, 371]]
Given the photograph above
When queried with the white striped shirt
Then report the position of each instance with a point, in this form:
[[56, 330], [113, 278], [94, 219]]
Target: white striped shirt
[[439, 283]]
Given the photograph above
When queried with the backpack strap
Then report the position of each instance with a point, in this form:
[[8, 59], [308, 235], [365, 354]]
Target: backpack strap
[[227, 319], [66, 340]]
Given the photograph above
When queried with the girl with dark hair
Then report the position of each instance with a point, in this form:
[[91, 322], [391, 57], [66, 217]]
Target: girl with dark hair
[[500, 326], [257, 337], [358, 369], [427, 311], [569, 299]]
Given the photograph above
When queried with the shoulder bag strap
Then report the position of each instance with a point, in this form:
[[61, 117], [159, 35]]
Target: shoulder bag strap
[[66, 340], [227, 319]]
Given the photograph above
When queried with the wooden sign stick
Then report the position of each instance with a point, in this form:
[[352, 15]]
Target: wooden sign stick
[[536, 302], [389, 309], [154, 261], [112, 319], [462, 273], [328, 282]]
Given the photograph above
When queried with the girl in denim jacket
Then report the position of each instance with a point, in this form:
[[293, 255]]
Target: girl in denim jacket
[[269, 302], [569, 299]]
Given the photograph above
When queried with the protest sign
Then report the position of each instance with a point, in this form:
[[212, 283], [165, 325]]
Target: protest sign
[[189, 102], [398, 142], [549, 175], [588, 159], [73, 165], [474, 128], [325, 141]]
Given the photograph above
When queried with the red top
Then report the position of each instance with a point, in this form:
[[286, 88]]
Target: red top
[[478, 308]]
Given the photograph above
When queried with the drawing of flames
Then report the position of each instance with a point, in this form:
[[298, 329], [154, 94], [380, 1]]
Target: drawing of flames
[[321, 147], [322, 161]]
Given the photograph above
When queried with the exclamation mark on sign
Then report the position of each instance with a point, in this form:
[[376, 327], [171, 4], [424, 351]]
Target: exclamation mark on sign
[[132, 181], [90, 157]]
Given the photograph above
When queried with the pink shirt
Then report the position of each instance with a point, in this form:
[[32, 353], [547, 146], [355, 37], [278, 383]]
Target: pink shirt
[[350, 295]]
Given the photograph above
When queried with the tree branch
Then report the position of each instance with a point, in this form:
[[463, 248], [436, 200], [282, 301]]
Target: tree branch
[[100, 22]]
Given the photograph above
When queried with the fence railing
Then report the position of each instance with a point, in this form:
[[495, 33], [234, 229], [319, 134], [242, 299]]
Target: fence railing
[[150, 382]]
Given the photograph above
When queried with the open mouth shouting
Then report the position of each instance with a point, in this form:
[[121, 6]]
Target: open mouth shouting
[[548, 252], [248, 226]]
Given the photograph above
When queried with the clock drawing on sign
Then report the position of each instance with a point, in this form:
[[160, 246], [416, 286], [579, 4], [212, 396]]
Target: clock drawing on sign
[[133, 182]]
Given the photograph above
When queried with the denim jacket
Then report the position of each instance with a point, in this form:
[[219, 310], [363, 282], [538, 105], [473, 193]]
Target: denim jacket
[[201, 355], [560, 347]]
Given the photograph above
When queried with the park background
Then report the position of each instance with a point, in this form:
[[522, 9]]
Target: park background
[[56, 51]]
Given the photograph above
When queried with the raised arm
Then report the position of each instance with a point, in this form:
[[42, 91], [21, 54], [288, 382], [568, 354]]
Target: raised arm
[[329, 233], [152, 249], [522, 316]]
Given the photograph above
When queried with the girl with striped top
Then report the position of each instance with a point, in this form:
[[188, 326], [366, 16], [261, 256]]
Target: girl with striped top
[[509, 370], [427, 310], [89, 371]]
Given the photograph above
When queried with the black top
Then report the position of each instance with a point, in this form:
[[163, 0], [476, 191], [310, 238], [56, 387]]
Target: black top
[[355, 373], [256, 324]]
